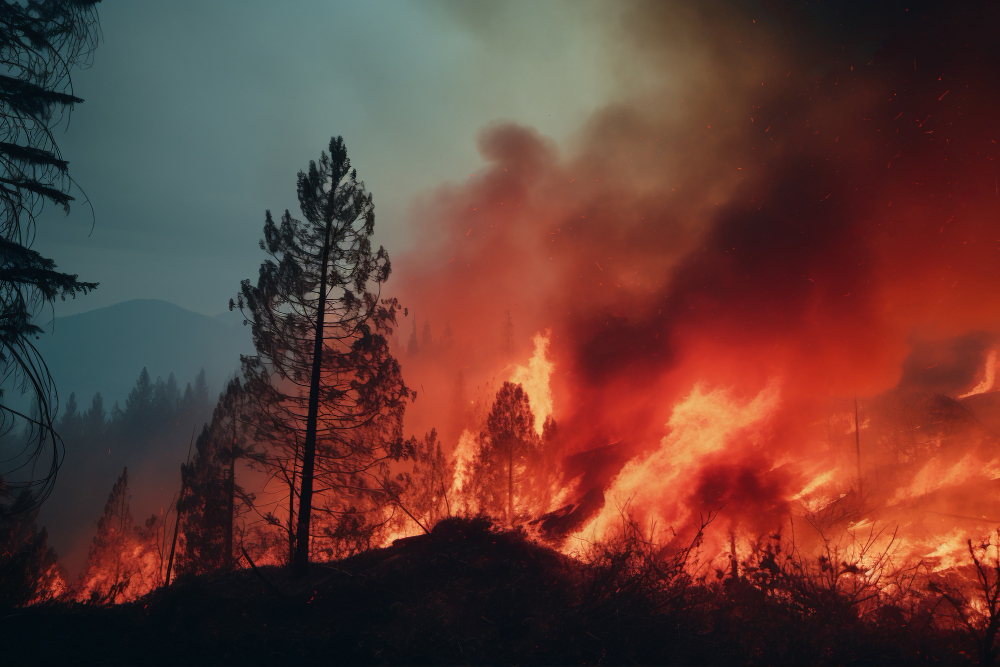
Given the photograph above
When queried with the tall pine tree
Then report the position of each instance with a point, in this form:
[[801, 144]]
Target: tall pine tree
[[508, 446], [323, 377]]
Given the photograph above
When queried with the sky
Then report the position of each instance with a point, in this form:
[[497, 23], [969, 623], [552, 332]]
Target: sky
[[197, 117]]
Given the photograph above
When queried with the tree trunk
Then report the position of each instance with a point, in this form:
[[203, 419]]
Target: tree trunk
[[231, 493], [301, 563], [857, 442], [291, 505], [510, 486], [177, 521]]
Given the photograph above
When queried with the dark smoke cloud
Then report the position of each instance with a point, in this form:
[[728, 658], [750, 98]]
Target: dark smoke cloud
[[797, 190]]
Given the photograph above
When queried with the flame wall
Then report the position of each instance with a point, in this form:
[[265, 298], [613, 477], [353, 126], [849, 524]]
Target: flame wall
[[790, 205]]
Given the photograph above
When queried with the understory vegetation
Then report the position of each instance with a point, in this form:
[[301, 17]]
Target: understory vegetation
[[471, 593]]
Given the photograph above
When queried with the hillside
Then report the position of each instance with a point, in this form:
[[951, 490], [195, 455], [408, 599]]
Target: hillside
[[470, 594]]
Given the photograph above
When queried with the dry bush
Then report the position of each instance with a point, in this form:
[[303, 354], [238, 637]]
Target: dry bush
[[972, 603]]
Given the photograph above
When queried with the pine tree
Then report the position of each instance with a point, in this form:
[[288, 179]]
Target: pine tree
[[508, 446], [96, 412], [201, 399], [40, 43], [212, 498], [413, 344], [71, 415], [139, 403], [447, 338], [426, 338], [323, 376], [93, 419]]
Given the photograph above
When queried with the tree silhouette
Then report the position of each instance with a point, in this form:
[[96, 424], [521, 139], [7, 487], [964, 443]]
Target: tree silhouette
[[71, 415], [323, 376], [40, 43], [507, 447], [209, 507], [93, 419], [413, 344], [426, 486], [29, 569], [139, 402], [422, 491]]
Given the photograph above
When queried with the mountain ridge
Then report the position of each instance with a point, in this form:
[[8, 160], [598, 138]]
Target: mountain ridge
[[105, 349]]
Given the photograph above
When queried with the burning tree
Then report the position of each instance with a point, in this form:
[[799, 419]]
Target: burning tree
[[507, 448], [327, 396], [125, 560], [422, 492]]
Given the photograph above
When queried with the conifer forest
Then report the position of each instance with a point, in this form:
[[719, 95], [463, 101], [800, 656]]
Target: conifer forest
[[444, 332]]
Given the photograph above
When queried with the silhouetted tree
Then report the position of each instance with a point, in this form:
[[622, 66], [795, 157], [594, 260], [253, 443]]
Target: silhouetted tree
[[213, 499], [195, 400], [40, 43], [422, 492], [508, 446], [413, 344], [323, 375], [200, 389], [447, 338], [166, 397], [92, 421], [71, 415], [139, 403], [426, 337], [29, 569]]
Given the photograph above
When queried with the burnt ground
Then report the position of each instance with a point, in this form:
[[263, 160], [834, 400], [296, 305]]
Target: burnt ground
[[465, 594]]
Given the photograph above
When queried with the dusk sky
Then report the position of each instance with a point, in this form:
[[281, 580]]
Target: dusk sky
[[198, 116]]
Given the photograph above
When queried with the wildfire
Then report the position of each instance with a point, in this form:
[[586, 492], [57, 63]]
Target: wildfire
[[535, 379], [705, 428], [800, 352], [989, 377], [463, 455]]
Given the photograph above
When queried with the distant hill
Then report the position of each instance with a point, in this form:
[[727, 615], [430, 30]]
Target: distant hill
[[105, 349]]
